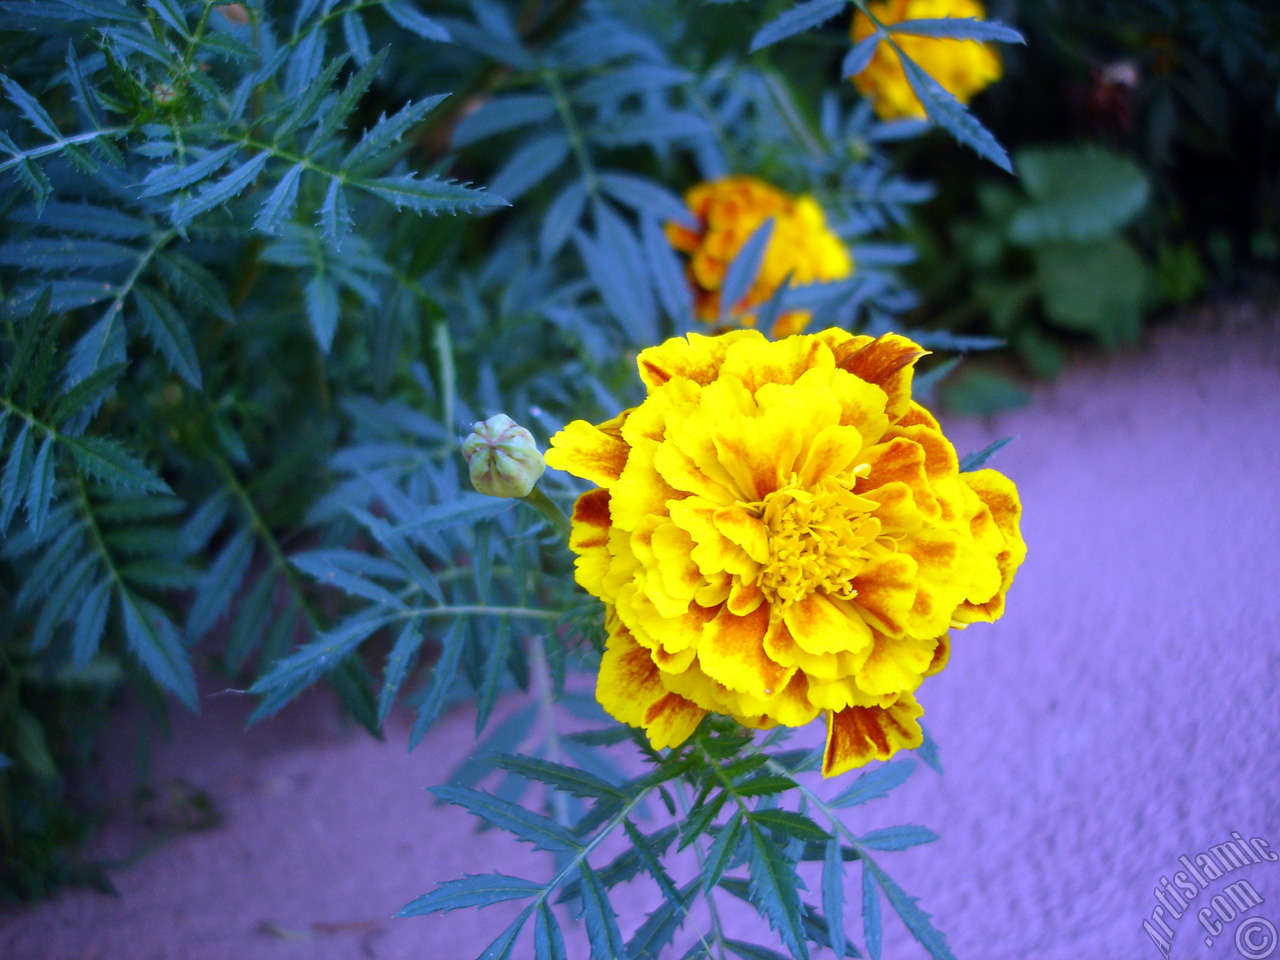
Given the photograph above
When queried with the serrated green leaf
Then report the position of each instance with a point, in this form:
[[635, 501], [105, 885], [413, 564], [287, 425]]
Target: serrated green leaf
[[289, 676], [833, 894], [744, 269], [442, 676], [401, 657], [722, 852], [31, 108], [219, 191], [569, 779], [774, 889], [389, 130], [168, 331], [548, 942], [41, 491], [660, 927], [16, 475], [220, 583], [473, 890], [959, 28], [915, 919], [86, 394], [278, 206], [950, 114], [543, 833], [790, 823], [155, 641], [751, 951], [109, 461], [89, 624], [801, 17], [403, 13], [898, 838], [874, 785], [429, 194], [600, 919], [978, 459], [501, 948]]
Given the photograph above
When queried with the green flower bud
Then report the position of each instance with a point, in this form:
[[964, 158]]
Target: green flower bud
[[502, 457]]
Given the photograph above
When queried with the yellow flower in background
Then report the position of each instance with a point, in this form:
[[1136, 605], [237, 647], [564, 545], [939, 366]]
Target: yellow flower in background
[[779, 531], [728, 212], [963, 67]]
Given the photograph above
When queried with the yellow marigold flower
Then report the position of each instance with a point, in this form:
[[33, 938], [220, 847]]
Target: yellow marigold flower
[[779, 531], [728, 212], [963, 67]]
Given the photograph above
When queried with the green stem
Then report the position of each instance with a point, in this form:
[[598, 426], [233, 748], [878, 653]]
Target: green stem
[[577, 141], [278, 560], [547, 507]]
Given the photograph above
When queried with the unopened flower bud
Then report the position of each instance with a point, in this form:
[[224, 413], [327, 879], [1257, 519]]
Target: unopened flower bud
[[502, 457]]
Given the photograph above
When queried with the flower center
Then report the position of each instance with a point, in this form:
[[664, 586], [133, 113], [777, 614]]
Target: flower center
[[819, 539]]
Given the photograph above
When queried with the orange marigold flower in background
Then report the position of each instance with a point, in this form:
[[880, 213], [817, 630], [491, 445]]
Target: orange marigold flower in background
[[779, 531], [728, 212], [963, 67]]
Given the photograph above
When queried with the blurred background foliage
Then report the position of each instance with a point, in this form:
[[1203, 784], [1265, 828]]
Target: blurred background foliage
[[1157, 123], [252, 300]]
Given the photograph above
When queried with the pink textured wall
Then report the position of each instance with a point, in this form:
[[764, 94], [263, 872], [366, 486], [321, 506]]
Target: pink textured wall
[[1122, 714]]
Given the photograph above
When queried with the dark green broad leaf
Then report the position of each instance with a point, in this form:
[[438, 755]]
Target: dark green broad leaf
[[542, 832], [1078, 193], [479, 890]]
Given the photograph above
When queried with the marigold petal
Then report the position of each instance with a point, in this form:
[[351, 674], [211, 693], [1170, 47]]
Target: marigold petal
[[589, 453], [895, 664], [697, 357], [857, 735], [732, 652], [628, 682], [832, 451], [902, 460], [759, 453], [744, 529], [887, 362], [782, 648], [671, 552], [822, 625], [670, 721], [941, 654], [589, 539], [640, 491], [886, 592], [757, 362]]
